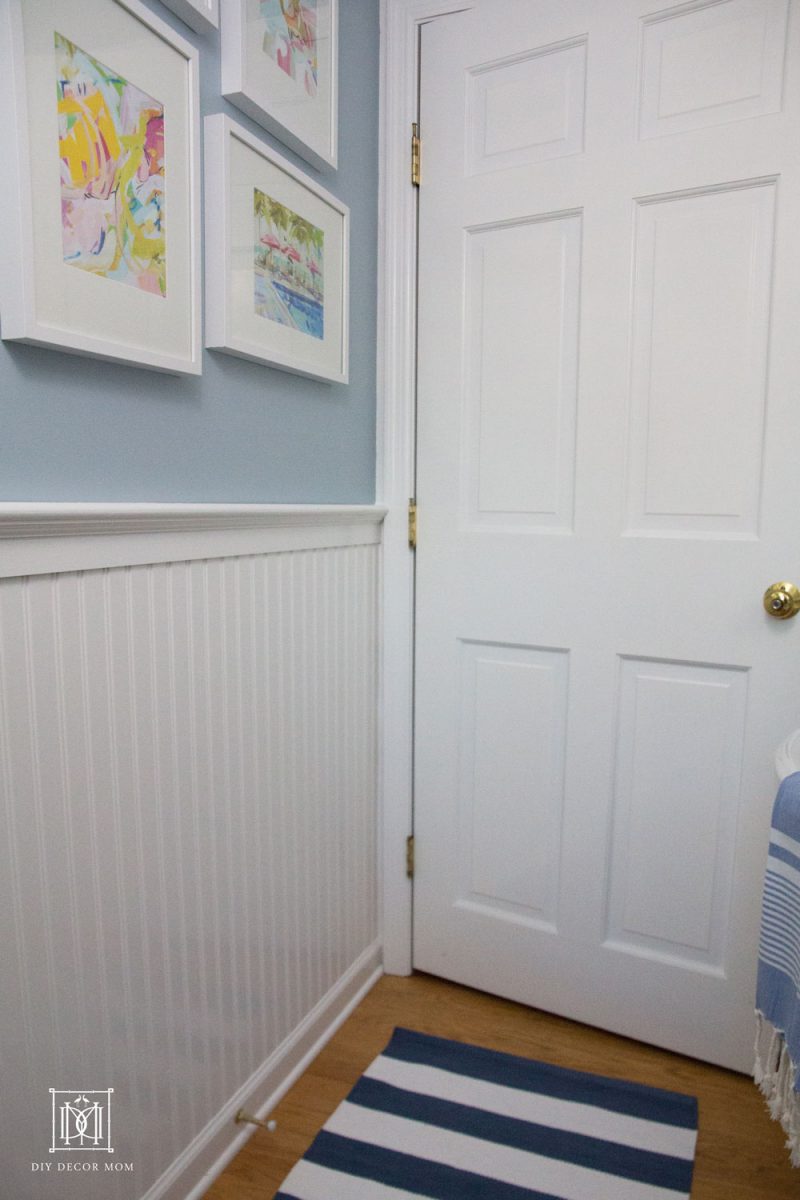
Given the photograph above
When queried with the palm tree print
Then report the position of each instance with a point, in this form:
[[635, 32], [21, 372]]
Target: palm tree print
[[289, 276]]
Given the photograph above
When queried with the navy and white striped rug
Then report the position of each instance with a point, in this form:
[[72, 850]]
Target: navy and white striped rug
[[437, 1118]]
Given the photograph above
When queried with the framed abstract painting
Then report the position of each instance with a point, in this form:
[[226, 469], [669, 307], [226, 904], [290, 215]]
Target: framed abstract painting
[[279, 65], [276, 258], [200, 15], [100, 206]]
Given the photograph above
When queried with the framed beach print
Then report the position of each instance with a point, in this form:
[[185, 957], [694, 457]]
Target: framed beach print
[[101, 207], [199, 15], [276, 258], [279, 65]]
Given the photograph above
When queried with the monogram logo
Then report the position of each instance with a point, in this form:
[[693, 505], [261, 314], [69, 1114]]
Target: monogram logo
[[81, 1120]]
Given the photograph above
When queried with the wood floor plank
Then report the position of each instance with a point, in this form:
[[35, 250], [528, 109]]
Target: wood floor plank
[[740, 1154]]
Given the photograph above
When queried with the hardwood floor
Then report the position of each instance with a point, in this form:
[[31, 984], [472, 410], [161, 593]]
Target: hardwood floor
[[740, 1153]]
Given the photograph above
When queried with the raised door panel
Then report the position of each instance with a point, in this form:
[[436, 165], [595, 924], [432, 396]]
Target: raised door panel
[[511, 779], [680, 732], [526, 109], [701, 316], [521, 371], [708, 63]]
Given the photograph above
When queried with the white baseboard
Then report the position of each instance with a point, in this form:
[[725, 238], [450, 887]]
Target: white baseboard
[[206, 1157]]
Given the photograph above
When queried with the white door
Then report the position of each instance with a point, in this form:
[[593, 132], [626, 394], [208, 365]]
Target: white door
[[608, 479]]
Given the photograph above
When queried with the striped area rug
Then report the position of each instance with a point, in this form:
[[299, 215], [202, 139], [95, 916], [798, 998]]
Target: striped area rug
[[437, 1118]]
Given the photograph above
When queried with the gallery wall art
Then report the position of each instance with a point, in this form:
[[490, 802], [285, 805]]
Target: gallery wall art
[[279, 65], [113, 173], [276, 258], [102, 207]]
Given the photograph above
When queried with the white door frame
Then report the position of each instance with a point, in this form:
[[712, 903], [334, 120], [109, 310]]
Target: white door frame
[[400, 22]]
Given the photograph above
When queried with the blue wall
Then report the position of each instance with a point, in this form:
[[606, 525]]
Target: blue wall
[[77, 429]]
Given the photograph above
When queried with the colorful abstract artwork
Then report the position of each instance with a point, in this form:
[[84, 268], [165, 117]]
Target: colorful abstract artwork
[[290, 39], [289, 284], [111, 146]]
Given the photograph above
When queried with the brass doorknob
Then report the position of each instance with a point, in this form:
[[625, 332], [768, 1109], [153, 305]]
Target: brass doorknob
[[782, 600]]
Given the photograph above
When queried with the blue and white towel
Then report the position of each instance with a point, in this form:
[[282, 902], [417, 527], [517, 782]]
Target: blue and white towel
[[777, 1066]]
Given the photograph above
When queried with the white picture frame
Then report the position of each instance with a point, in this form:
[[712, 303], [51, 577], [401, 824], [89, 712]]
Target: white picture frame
[[288, 84], [277, 258], [200, 15], [135, 232]]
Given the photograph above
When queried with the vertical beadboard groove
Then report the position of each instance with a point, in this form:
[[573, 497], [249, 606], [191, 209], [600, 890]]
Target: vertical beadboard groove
[[135, 726], [369, 751], [303, 671], [300, 788], [91, 781], [245, 826], [120, 853], [162, 803], [286, 694], [344, 769], [264, 829], [35, 759], [225, 806], [359, 833], [198, 857], [179, 855], [305, 764], [375, 660], [210, 845], [362, 931], [124, 973], [188, 773], [318, 771], [328, 717], [351, 740], [23, 999], [278, 767], [70, 842]]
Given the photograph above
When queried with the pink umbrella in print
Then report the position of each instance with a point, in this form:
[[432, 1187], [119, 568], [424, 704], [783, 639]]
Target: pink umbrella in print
[[272, 244], [291, 254]]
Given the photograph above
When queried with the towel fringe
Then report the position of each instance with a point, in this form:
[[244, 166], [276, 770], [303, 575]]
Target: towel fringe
[[777, 1078]]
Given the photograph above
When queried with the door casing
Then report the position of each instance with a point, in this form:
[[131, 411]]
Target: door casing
[[400, 22]]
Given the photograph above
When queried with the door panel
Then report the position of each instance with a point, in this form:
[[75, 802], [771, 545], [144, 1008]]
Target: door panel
[[711, 63], [680, 727], [608, 373], [528, 108], [700, 327], [512, 739], [522, 390]]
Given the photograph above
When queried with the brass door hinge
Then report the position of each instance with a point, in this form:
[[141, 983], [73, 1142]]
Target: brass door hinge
[[412, 524], [415, 154], [410, 856]]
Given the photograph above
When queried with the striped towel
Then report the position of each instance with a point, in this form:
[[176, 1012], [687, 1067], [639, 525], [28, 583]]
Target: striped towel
[[439, 1119], [778, 993]]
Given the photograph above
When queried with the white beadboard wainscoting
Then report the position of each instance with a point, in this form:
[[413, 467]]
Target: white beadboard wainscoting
[[188, 894]]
